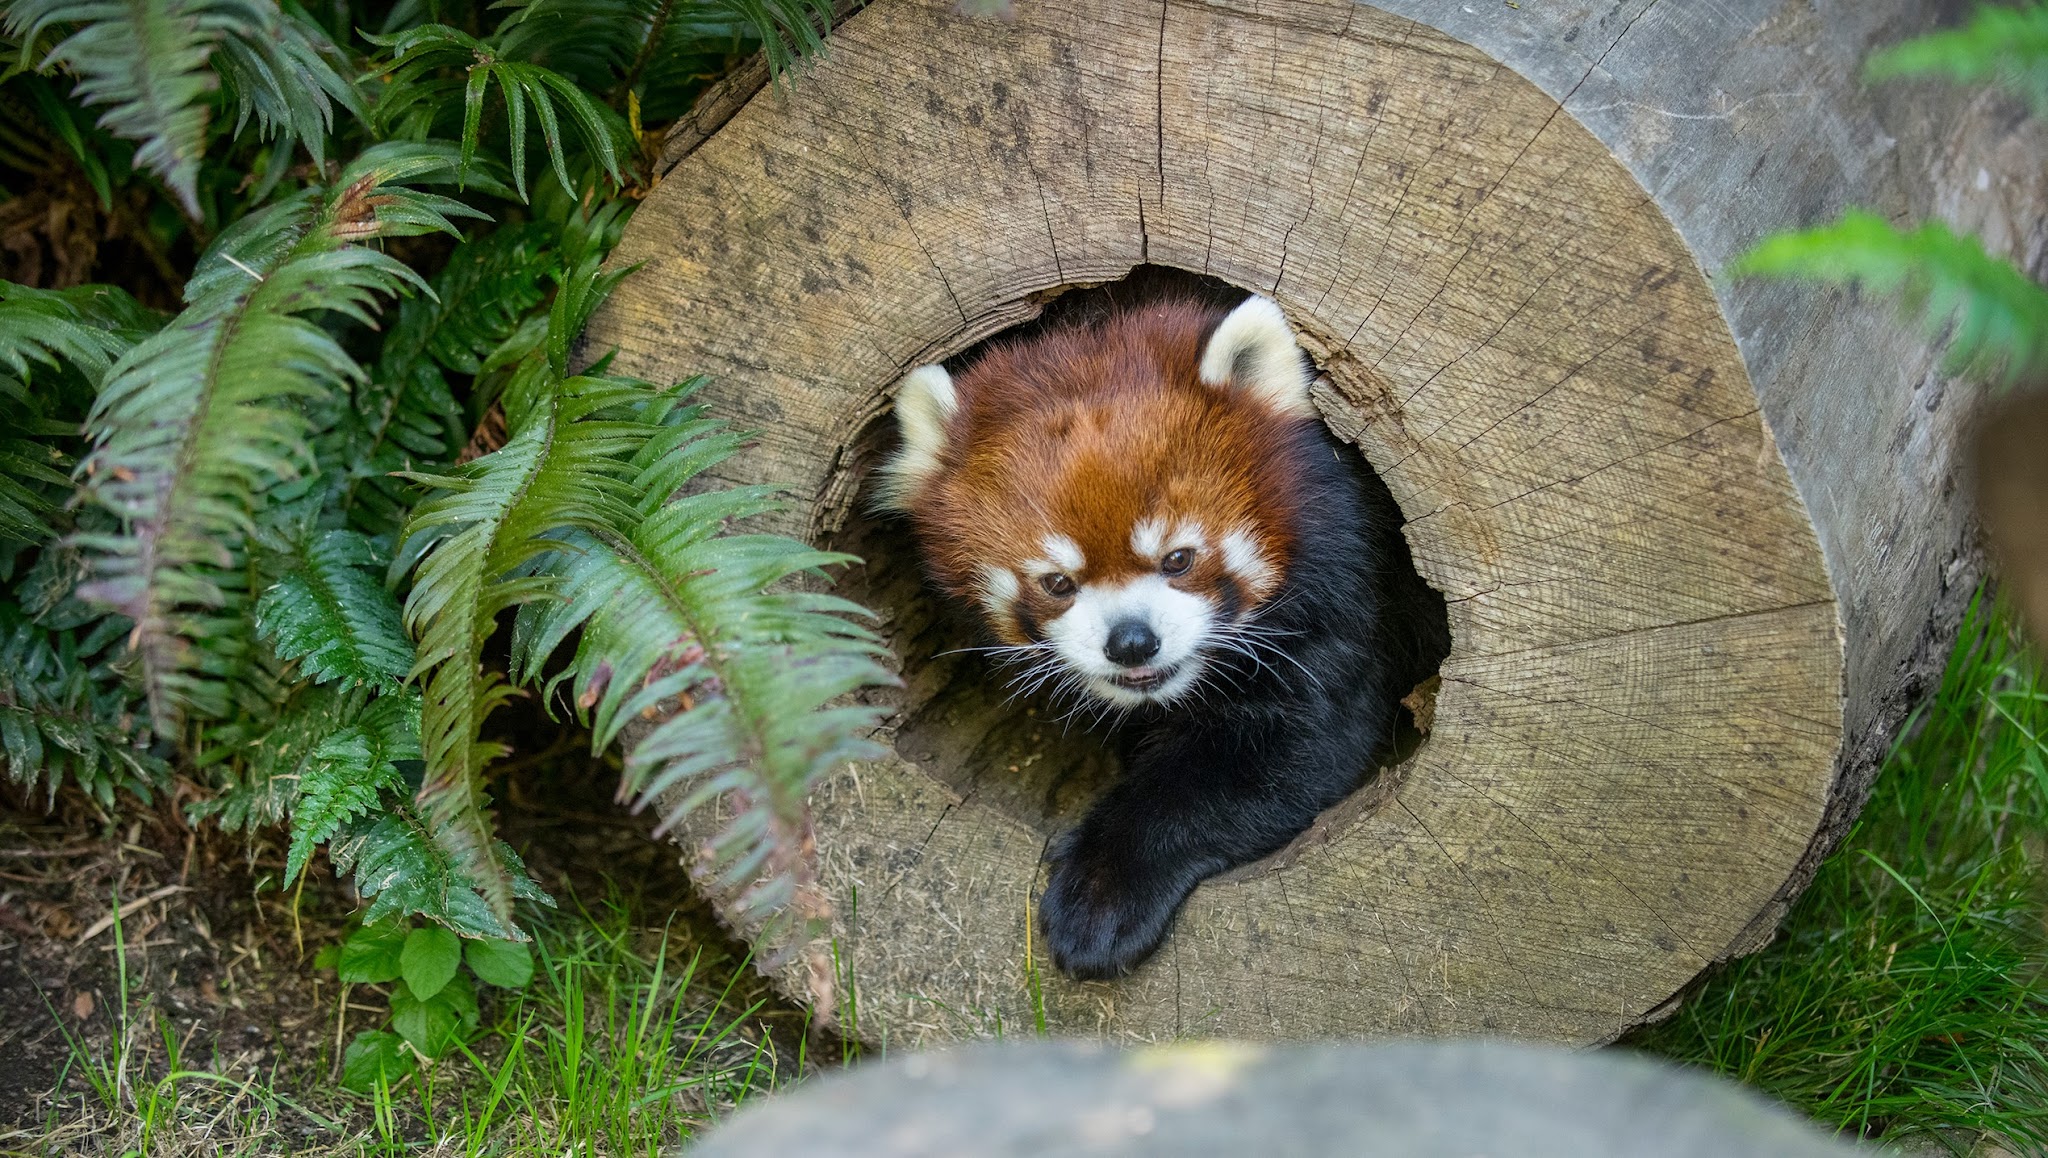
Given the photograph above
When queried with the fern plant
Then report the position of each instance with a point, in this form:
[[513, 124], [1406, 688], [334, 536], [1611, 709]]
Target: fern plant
[[1994, 316], [265, 542]]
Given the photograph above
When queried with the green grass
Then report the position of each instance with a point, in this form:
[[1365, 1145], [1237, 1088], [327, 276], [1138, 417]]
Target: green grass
[[619, 1046], [1905, 994]]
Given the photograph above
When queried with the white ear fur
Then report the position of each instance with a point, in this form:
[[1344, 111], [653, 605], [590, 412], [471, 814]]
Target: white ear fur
[[925, 401], [1254, 349]]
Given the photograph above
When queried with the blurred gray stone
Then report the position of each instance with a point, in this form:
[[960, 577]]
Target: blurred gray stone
[[1467, 1099]]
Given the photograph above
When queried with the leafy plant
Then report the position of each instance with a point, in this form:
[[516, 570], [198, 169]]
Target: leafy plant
[[149, 59], [433, 999], [267, 544], [1996, 317], [2004, 46]]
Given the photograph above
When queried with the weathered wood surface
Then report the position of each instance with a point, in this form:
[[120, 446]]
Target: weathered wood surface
[[1404, 1100], [1635, 749]]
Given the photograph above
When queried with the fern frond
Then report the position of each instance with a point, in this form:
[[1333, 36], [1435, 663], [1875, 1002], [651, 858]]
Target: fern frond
[[333, 615], [648, 45], [563, 466], [350, 772], [401, 869], [2000, 318], [157, 62], [788, 29], [62, 342], [64, 712], [418, 53], [487, 288], [282, 69], [259, 760], [146, 58], [672, 610], [87, 326], [197, 422], [2005, 46]]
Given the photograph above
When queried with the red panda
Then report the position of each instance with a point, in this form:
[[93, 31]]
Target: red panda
[[1148, 515]]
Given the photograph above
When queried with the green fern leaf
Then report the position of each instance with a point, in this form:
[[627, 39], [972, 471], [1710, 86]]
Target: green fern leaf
[[87, 326], [196, 423], [420, 54], [658, 47], [65, 713], [403, 417], [57, 344], [150, 60], [488, 287], [563, 466], [2005, 46], [350, 772], [146, 58], [260, 759], [280, 68], [336, 618], [401, 869], [672, 608], [2000, 318]]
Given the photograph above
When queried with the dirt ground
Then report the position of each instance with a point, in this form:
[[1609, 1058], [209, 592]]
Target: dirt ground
[[223, 958]]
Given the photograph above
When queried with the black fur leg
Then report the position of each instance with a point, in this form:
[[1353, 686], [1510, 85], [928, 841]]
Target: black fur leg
[[1105, 908]]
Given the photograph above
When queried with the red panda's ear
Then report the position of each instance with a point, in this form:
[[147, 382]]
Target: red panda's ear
[[925, 403], [1253, 349]]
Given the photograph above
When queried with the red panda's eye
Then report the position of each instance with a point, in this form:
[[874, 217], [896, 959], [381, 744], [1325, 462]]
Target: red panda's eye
[[1177, 562], [1057, 586]]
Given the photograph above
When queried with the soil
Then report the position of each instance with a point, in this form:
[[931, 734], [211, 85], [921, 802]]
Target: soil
[[224, 957]]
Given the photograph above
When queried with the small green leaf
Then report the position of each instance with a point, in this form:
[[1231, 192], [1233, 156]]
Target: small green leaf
[[434, 1024], [429, 959], [370, 955], [2006, 46], [1996, 319], [505, 964], [374, 1054], [328, 957]]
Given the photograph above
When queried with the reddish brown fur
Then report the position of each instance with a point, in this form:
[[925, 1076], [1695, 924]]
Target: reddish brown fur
[[1085, 432]]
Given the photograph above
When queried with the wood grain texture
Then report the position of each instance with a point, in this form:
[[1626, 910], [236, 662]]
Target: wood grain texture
[[1636, 737]]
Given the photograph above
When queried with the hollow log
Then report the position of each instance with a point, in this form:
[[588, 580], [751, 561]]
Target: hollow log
[[1699, 537]]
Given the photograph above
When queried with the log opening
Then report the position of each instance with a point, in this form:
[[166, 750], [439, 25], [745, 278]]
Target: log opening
[[1039, 761]]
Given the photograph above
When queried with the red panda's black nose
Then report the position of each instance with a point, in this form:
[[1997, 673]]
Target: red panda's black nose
[[1131, 643]]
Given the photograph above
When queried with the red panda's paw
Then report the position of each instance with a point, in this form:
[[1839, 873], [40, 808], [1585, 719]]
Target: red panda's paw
[[1102, 916]]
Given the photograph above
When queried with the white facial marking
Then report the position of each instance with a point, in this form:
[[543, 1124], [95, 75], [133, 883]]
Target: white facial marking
[[1254, 350], [925, 402], [1148, 538], [1182, 622], [1065, 554], [1241, 555], [1151, 542], [998, 589]]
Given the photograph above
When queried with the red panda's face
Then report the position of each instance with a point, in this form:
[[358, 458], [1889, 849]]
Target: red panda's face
[[1116, 501]]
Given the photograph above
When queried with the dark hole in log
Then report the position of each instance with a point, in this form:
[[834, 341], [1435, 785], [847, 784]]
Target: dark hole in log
[[1034, 760]]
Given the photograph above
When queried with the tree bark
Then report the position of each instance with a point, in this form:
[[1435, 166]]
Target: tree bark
[[1700, 538]]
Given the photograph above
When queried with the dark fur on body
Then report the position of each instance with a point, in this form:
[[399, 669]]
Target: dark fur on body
[[1236, 771]]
